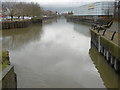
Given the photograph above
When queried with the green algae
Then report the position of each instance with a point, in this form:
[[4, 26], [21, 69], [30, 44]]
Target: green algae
[[4, 59]]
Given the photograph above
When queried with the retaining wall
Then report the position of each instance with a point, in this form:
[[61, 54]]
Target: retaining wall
[[22, 23], [84, 19], [15, 24], [48, 19], [110, 49]]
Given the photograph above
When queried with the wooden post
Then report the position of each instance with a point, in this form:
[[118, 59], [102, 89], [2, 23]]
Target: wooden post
[[113, 35], [104, 31]]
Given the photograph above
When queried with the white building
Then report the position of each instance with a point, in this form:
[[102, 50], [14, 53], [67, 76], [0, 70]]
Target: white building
[[102, 8]]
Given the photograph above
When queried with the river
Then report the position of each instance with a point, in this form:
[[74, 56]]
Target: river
[[52, 55]]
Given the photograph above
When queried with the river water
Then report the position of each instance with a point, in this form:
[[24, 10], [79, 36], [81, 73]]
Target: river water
[[52, 55]]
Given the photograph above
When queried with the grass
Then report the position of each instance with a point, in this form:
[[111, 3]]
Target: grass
[[4, 60]]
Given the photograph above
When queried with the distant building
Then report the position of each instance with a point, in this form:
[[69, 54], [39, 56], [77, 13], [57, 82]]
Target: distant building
[[96, 10], [117, 9]]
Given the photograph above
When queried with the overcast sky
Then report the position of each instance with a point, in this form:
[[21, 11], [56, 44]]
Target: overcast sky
[[63, 2], [59, 5]]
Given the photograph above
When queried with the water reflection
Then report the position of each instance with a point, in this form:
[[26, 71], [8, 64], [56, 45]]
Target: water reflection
[[109, 76], [18, 38], [54, 57], [81, 29]]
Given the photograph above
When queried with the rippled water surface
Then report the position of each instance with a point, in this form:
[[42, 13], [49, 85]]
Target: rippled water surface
[[52, 55]]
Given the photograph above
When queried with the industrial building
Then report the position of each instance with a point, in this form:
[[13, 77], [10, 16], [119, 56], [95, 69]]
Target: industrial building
[[95, 10]]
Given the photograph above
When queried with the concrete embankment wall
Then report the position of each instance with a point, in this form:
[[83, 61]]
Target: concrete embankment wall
[[45, 19], [107, 43], [15, 24], [110, 49], [36, 20], [22, 23], [82, 19], [9, 78]]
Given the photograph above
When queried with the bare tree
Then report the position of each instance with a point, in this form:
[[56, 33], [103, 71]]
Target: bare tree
[[19, 9], [22, 9], [11, 11], [28, 9], [36, 10], [8, 9]]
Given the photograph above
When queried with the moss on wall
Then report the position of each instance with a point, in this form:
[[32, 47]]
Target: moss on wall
[[113, 48], [4, 62], [109, 45], [8, 77]]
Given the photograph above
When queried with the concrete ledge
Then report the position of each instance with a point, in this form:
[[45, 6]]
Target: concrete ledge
[[8, 77]]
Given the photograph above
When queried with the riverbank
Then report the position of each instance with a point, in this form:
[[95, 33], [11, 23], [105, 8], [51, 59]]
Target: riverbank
[[15, 24], [107, 43], [23, 23], [88, 20], [81, 19], [8, 78]]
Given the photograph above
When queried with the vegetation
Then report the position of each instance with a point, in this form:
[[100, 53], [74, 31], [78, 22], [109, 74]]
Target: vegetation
[[49, 13], [4, 59], [21, 9]]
